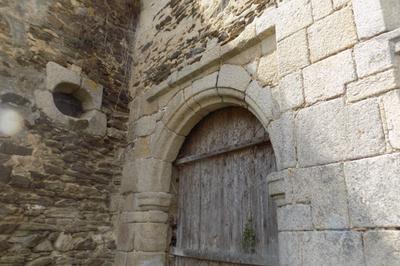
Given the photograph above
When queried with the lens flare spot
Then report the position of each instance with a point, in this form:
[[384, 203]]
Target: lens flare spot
[[11, 122]]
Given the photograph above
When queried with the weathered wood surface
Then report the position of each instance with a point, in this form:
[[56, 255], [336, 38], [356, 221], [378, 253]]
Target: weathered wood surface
[[220, 194]]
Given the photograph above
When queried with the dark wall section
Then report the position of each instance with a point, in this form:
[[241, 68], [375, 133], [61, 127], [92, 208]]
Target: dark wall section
[[57, 185]]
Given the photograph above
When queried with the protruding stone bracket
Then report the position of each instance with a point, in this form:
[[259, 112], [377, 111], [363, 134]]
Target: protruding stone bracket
[[72, 100], [277, 188]]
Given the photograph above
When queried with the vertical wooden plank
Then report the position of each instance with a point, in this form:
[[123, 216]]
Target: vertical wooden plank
[[219, 194]]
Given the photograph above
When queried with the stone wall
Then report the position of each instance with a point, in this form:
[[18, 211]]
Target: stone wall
[[56, 182], [176, 33], [322, 77]]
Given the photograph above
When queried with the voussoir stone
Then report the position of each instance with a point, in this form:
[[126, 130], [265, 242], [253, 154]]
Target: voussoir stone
[[207, 82], [331, 132], [144, 175], [267, 72], [260, 98], [144, 126], [290, 91], [290, 248], [233, 76], [282, 135]]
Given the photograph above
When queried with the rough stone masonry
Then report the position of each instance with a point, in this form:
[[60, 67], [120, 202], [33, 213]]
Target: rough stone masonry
[[322, 76]]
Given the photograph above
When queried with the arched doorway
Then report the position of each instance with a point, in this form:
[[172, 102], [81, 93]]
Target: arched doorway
[[223, 214]]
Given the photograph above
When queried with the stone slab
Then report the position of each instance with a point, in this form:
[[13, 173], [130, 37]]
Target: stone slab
[[373, 56], [332, 248], [295, 217], [382, 247], [373, 187], [293, 16], [327, 78], [233, 76], [332, 34], [331, 132], [293, 53], [391, 103], [373, 85]]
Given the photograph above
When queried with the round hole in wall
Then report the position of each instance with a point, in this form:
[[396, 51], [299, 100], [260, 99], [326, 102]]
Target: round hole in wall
[[66, 99]]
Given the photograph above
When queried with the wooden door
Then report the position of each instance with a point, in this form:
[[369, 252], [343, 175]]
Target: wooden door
[[224, 215]]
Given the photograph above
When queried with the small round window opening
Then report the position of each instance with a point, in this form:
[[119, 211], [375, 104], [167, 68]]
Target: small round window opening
[[70, 99]]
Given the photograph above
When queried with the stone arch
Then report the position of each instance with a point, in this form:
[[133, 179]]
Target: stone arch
[[229, 86]]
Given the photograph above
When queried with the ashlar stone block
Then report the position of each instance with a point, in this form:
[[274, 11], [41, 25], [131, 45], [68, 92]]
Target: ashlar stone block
[[337, 4], [290, 91], [293, 16], [144, 217], [391, 102], [267, 72], [233, 76], [375, 16], [382, 247], [290, 248], [204, 83], [323, 186], [266, 22], [294, 217], [125, 237], [281, 133], [332, 34], [331, 132], [373, 56], [373, 85], [293, 53], [332, 248], [151, 237], [260, 98], [144, 175], [327, 78], [373, 187], [321, 8], [144, 126], [146, 259], [315, 248]]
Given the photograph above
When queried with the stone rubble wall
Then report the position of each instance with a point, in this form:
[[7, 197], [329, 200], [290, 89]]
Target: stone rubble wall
[[323, 78], [57, 184]]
